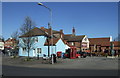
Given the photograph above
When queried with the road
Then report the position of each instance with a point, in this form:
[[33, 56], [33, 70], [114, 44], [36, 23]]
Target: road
[[91, 66], [25, 71]]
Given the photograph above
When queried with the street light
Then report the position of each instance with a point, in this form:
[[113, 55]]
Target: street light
[[49, 11], [49, 27]]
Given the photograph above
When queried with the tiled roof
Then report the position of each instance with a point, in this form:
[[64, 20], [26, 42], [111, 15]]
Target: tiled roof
[[116, 43], [71, 38], [10, 39], [100, 41], [35, 32], [47, 30]]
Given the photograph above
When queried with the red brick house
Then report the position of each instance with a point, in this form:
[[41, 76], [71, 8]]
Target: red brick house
[[99, 44], [81, 42], [10, 42], [116, 47]]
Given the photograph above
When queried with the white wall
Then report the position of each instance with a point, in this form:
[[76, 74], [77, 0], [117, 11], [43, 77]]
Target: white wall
[[86, 41], [1, 45]]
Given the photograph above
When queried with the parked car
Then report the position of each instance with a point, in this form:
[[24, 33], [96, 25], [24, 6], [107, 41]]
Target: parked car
[[81, 54], [78, 54]]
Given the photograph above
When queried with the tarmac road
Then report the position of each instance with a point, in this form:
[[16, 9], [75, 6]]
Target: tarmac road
[[25, 71], [90, 66]]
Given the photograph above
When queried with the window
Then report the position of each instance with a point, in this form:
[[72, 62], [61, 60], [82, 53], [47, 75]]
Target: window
[[38, 50], [24, 49], [84, 45], [36, 39], [24, 40], [34, 50], [85, 39], [72, 43], [1, 47]]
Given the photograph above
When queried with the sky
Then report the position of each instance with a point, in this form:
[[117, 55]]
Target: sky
[[94, 19]]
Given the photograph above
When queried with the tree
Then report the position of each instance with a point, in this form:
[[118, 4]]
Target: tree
[[15, 36], [27, 25], [26, 33]]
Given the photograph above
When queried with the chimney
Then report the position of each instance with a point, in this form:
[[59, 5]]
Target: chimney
[[110, 38], [73, 31], [41, 27], [49, 31], [61, 33]]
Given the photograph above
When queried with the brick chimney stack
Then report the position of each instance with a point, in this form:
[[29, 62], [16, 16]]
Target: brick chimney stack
[[61, 33], [49, 31], [41, 27], [73, 31]]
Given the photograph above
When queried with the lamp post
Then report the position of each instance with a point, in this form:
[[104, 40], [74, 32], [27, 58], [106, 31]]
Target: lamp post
[[49, 27], [49, 11]]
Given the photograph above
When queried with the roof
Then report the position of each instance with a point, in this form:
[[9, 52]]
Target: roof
[[55, 40], [71, 38], [116, 43], [100, 41], [10, 39], [47, 30], [34, 32]]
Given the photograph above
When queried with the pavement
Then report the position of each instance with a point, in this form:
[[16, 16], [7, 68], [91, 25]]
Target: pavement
[[90, 66]]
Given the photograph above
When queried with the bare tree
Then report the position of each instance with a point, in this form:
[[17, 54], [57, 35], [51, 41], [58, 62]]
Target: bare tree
[[26, 33], [15, 35], [27, 25]]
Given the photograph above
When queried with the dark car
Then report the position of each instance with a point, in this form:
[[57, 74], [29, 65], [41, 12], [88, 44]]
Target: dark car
[[82, 54]]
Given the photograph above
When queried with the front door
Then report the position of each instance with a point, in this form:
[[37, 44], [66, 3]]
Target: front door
[[34, 53]]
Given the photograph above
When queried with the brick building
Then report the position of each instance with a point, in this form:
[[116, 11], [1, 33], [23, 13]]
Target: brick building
[[11, 43], [116, 46], [99, 44], [81, 42]]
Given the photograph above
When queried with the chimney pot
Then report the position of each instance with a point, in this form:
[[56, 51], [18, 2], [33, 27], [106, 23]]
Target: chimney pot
[[41, 27]]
